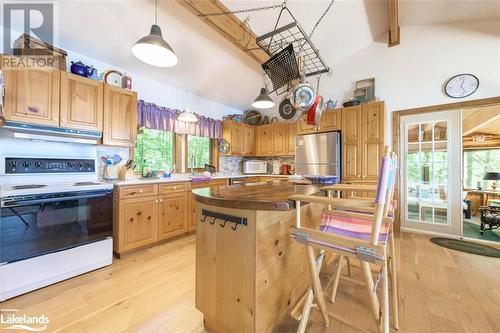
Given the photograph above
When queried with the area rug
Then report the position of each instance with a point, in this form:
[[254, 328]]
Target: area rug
[[465, 246]]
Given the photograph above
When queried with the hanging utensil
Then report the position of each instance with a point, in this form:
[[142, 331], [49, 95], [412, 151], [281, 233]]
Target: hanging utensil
[[314, 112], [286, 109], [303, 94]]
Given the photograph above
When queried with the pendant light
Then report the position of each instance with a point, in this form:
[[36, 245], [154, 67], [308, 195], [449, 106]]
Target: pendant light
[[263, 101], [187, 116], [153, 49]]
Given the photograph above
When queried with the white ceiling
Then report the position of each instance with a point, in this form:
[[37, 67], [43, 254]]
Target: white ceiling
[[210, 66]]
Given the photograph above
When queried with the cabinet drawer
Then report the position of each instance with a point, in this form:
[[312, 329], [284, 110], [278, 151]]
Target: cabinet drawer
[[174, 188], [137, 191]]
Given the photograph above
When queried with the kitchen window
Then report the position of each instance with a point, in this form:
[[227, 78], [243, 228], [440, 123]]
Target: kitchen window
[[198, 151], [477, 163], [154, 150]]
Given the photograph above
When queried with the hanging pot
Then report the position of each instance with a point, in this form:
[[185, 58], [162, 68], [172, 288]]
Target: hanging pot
[[314, 112], [286, 109]]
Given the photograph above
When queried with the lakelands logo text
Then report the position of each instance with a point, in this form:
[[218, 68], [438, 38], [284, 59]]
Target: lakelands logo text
[[10, 320]]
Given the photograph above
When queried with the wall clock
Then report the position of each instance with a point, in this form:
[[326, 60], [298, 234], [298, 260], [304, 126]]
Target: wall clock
[[461, 85]]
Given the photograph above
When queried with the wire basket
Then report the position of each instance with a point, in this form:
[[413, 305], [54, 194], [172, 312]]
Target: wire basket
[[292, 34], [282, 67]]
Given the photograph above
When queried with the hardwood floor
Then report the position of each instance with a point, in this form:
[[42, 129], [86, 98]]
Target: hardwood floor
[[153, 291]]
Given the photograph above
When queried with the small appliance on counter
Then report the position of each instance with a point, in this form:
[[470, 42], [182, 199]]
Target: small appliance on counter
[[254, 167], [285, 169], [276, 167]]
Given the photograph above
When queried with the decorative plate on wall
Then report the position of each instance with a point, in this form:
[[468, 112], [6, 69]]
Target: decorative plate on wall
[[461, 85]]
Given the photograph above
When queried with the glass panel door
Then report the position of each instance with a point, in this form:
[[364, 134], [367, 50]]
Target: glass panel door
[[431, 169]]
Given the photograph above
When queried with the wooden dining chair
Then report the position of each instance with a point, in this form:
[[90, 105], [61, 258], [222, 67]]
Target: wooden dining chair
[[357, 229]]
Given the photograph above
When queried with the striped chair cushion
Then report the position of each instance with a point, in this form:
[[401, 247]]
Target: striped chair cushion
[[350, 227]]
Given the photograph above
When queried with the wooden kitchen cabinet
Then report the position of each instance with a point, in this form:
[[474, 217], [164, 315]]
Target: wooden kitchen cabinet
[[279, 139], [173, 219], [290, 138], [264, 140], [120, 117], [304, 128], [362, 141], [136, 224], [330, 121], [232, 132], [32, 96], [248, 140], [81, 103]]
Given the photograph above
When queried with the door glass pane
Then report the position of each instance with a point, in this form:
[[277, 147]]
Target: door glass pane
[[427, 172]]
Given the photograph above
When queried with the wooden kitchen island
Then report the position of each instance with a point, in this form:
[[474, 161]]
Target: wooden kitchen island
[[249, 273]]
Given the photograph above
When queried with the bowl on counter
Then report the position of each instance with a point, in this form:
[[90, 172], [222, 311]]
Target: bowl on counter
[[323, 180]]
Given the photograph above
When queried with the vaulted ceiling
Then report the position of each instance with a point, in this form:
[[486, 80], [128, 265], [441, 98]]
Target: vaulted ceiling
[[212, 67]]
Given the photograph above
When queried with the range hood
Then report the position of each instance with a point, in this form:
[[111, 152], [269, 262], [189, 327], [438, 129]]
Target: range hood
[[48, 133]]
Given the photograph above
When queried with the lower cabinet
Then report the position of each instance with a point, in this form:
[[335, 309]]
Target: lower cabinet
[[151, 217], [136, 224], [173, 216]]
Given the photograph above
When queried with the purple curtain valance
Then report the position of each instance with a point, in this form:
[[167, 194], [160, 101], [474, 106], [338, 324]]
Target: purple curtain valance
[[162, 118]]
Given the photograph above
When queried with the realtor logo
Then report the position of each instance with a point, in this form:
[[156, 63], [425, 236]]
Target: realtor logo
[[33, 19], [11, 320]]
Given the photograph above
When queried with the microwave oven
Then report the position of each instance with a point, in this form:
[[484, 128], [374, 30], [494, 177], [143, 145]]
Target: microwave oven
[[255, 167]]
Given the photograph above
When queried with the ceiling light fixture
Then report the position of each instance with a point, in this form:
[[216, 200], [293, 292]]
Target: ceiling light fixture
[[187, 116], [263, 101], [153, 49]]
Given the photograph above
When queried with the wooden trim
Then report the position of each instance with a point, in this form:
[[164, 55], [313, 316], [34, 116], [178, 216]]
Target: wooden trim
[[228, 26], [394, 31], [396, 118]]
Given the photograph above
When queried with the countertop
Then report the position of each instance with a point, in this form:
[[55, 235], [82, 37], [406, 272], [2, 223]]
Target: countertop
[[270, 197], [185, 178]]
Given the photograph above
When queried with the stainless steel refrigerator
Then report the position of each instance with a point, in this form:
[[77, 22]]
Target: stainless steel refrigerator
[[318, 154]]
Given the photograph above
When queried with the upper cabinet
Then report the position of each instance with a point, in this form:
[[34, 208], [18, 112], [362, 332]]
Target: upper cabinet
[[264, 140], [290, 140], [248, 140], [330, 121], [81, 103], [60, 99], [279, 139], [120, 117], [232, 132], [362, 141], [32, 96], [304, 128]]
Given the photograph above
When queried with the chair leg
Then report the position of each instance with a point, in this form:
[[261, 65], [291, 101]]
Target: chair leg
[[385, 299], [394, 289], [306, 311], [348, 260], [316, 284], [369, 286], [337, 278]]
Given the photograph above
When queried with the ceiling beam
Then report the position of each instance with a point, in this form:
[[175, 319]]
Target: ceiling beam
[[228, 26], [475, 119], [394, 35]]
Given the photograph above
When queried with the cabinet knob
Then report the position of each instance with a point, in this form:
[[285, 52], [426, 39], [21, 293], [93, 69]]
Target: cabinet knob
[[161, 200], [55, 118], [63, 120], [140, 191], [175, 187], [156, 201]]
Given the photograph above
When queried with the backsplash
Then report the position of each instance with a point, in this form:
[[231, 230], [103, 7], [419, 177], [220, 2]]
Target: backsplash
[[234, 165]]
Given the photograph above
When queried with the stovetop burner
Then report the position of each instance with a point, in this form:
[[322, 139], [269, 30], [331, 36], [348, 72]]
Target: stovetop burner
[[25, 187], [86, 183]]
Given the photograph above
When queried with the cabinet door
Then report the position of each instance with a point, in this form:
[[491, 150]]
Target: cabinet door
[[263, 140], [373, 119], [81, 102], [191, 225], [248, 140], [120, 117], [138, 223], [174, 215], [351, 145], [304, 128], [279, 139], [236, 139], [330, 121], [32, 96], [291, 136]]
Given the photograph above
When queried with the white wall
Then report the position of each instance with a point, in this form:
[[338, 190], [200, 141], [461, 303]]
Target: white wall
[[413, 73], [152, 90]]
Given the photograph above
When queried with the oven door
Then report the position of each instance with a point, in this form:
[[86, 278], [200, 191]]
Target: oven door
[[38, 224]]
